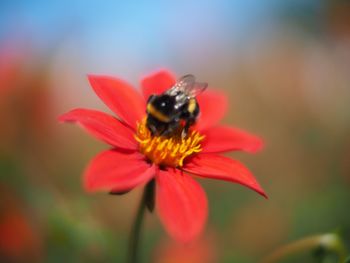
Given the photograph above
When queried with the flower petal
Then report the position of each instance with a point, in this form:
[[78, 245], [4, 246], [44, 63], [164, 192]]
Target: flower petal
[[117, 171], [102, 126], [157, 83], [181, 203], [223, 168], [120, 97], [213, 106], [224, 139]]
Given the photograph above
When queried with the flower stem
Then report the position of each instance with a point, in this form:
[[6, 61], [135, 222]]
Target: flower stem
[[135, 235], [329, 241]]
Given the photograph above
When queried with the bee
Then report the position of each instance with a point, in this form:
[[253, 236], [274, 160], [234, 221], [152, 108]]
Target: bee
[[176, 109]]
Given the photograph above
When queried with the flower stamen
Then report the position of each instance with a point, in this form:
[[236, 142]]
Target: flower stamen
[[167, 151]]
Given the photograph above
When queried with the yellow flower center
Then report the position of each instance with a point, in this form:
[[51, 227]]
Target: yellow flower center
[[167, 151]]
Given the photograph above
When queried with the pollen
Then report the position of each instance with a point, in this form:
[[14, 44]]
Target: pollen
[[167, 151]]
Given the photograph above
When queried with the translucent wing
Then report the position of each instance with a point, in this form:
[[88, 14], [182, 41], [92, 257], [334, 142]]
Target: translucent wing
[[189, 86]]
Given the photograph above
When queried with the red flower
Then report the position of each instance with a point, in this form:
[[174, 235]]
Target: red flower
[[136, 154]]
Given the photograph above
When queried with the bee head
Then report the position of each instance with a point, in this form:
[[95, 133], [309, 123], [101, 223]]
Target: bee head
[[164, 104]]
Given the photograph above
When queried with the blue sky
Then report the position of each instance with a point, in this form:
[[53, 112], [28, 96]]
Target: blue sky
[[153, 29]]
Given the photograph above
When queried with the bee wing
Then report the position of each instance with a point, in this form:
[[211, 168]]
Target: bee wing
[[189, 86], [198, 88]]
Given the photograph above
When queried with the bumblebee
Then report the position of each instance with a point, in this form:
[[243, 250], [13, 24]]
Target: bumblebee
[[175, 110]]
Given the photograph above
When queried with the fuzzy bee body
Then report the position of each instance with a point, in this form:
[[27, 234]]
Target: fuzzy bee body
[[176, 109]]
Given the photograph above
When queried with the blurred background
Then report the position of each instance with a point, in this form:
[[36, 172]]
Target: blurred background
[[285, 66]]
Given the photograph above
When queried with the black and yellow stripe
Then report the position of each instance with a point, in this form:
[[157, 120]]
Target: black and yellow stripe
[[156, 114]]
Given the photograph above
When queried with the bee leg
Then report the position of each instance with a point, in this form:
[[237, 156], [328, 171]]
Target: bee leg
[[185, 130], [170, 128], [152, 129], [154, 125], [190, 121]]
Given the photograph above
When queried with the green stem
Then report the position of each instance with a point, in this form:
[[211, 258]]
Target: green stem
[[135, 235], [133, 250], [329, 241]]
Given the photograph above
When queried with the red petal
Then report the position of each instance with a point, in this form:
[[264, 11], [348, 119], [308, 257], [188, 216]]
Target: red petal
[[157, 83], [117, 171], [120, 97], [213, 106], [103, 127], [182, 204], [224, 139], [223, 168]]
